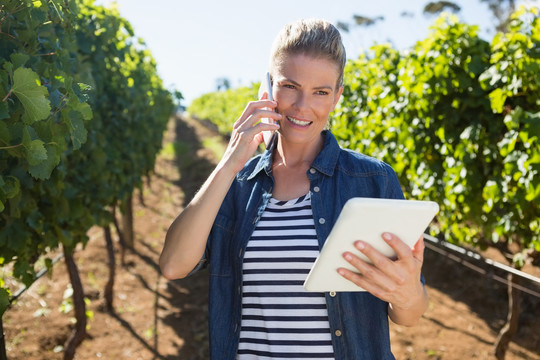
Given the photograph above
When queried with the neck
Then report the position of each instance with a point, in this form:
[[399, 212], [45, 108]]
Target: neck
[[293, 154]]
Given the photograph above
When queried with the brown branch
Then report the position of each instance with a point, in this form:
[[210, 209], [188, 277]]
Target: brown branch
[[6, 97], [11, 36], [10, 147]]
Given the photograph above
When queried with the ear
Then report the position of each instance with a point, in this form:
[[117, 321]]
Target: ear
[[337, 96]]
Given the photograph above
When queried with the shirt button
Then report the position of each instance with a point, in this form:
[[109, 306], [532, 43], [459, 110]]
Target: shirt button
[[316, 189], [322, 221], [312, 170], [338, 332], [332, 293]]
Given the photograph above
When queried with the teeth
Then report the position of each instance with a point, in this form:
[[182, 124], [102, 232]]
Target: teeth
[[298, 122]]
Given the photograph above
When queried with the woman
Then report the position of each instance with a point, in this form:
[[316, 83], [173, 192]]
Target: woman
[[259, 223]]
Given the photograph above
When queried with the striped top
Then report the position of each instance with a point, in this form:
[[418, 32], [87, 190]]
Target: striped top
[[280, 320]]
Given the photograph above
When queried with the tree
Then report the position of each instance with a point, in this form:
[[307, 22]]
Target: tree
[[223, 84], [358, 20], [436, 7], [502, 10]]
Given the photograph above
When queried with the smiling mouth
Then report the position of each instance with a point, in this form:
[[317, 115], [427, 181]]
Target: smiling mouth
[[299, 122]]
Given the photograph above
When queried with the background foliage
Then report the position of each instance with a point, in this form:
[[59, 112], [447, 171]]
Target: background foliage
[[459, 120], [223, 108], [82, 113]]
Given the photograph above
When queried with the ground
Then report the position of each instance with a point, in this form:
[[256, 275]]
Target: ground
[[159, 319]]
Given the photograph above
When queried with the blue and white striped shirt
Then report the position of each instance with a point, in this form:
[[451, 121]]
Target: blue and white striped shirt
[[280, 320]]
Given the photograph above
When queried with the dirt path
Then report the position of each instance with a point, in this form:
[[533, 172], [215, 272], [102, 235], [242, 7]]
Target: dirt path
[[160, 319]]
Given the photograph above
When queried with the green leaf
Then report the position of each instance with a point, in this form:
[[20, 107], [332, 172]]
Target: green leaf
[[498, 98], [19, 59], [44, 169], [533, 194], [36, 153], [23, 270], [8, 67], [4, 301], [35, 221], [17, 242], [4, 113], [77, 130], [476, 66], [81, 90], [5, 136], [85, 110], [27, 88], [11, 186]]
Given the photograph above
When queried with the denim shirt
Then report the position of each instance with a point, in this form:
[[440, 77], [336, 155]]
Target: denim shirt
[[358, 320]]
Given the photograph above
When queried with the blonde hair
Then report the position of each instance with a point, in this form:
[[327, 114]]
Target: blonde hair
[[312, 37]]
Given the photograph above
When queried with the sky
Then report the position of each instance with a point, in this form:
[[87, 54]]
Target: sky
[[196, 42]]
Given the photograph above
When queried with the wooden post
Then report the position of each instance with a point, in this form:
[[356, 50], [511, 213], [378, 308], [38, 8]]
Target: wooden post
[[127, 222], [3, 355], [512, 320], [120, 238], [109, 287], [79, 333]]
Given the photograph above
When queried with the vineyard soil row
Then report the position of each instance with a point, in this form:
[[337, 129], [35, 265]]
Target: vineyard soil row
[[160, 319]]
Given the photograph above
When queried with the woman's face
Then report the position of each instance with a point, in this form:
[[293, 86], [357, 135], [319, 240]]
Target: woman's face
[[305, 90]]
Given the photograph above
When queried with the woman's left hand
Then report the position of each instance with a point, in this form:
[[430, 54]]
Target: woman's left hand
[[394, 281]]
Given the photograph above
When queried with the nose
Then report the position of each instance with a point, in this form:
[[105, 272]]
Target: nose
[[301, 101]]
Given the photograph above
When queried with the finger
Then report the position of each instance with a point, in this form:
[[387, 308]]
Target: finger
[[418, 249], [258, 138], [402, 250], [375, 271], [260, 127], [381, 268], [251, 107], [253, 134], [361, 281], [356, 278], [257, 118], [377, 259]]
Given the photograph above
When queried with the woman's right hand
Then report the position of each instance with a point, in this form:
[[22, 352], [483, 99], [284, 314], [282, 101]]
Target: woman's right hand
[[247, 133], [186, 238]]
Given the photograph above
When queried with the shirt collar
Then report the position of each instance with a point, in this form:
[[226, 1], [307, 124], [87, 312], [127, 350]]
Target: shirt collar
[[325, 162], [327, 159]]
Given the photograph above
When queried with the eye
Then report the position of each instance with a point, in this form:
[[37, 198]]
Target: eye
[[289, 86], [322, 92]]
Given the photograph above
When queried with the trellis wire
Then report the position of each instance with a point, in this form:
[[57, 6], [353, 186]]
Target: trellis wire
[[460, 255]]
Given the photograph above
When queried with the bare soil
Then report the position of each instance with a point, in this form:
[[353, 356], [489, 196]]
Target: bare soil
[[159, 319]]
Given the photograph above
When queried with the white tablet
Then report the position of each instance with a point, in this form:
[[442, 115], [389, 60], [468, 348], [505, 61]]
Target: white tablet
[[366, 219]]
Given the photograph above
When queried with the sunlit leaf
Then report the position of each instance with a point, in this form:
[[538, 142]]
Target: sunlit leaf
[[28, 89]]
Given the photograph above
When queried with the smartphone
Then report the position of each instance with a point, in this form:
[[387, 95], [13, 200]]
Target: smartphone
[[266, 86]]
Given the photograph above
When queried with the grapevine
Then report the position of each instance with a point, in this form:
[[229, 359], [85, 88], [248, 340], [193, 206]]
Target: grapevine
[[82, 116]]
